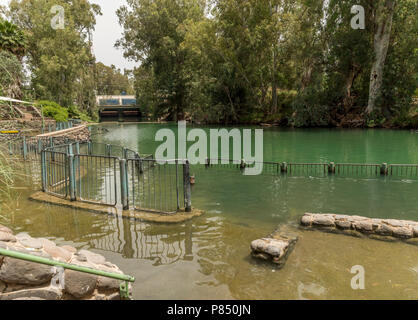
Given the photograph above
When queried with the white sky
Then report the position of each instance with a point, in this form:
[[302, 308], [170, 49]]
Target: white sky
[[107, 32]]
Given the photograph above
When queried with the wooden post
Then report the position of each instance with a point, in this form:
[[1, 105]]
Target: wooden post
[[331, 168]]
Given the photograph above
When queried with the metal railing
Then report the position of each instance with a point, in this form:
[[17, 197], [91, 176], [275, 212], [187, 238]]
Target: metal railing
[[124, 287], [91, 173], [323, 169], [158, 186]]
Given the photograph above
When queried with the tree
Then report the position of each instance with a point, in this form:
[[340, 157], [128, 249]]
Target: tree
[[111, 81], [12, 39], [11, 75], [60, 60], [152, 35], [383, 27]]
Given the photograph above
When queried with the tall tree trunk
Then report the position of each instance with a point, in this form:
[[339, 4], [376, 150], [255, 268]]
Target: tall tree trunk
[[274, 86], [384, 17], [354, 70]]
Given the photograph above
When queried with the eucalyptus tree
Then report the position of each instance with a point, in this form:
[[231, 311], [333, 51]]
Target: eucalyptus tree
[[382, 31], [60, 59], [153, 36]]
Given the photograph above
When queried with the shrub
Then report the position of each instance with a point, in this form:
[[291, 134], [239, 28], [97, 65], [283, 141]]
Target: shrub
[[75, 113], [53, 110]]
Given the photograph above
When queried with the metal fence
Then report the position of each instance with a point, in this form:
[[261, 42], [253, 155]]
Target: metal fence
[[74, 171], [324, 169], [157, 186]]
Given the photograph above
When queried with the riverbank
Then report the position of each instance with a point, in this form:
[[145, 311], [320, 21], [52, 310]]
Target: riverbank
[[26, 280]]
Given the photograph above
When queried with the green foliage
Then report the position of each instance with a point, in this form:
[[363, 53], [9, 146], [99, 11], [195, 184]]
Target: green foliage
[[233, 64], [75, 113], [53, 110], [310, 111], [60, 61], [11, 74], [111, 81], [12, 39]]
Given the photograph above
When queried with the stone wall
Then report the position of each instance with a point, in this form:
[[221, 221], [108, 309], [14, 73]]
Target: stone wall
[[28, 128], [80, 133], [23, 280], [355, 225]]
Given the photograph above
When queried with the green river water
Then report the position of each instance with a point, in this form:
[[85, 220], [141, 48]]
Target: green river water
[[208, 257]]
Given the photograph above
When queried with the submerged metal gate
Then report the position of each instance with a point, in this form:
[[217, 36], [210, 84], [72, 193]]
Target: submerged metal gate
[[139, 183], [162, 186]]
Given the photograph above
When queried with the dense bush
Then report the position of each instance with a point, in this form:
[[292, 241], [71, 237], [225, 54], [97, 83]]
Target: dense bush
[[53, 110], [75, 113]]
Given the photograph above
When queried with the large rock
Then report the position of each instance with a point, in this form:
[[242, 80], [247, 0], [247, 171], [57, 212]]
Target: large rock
[[78, 284], [275, 249], [325, 220], [92, 257], [31, 243], [47, 293], [7, 237], [5, 229], [59, 253], [47, 243], [24, 272]]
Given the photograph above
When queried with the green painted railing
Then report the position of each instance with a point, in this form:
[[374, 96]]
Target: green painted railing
[[124, 287]]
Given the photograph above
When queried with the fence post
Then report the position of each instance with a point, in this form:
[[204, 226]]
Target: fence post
[[71, 173], [43, 170], [89, 148], [39, 145], [124, 184], [10, 148], [331, 167], [124, 153], [108, 150], [283, 167], [187, 187], [71, 176], [139, 163], [384, 169], [25, 149]]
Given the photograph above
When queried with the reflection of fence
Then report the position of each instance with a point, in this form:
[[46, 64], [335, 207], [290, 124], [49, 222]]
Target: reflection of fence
[[139, 240]]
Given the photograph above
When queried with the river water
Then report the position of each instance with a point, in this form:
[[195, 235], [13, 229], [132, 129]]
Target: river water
[[208, 257]]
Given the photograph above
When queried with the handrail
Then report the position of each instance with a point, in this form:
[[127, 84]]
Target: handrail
[[124, 289]]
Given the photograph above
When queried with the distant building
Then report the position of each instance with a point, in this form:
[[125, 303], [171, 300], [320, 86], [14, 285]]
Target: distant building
[[118, 108]]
